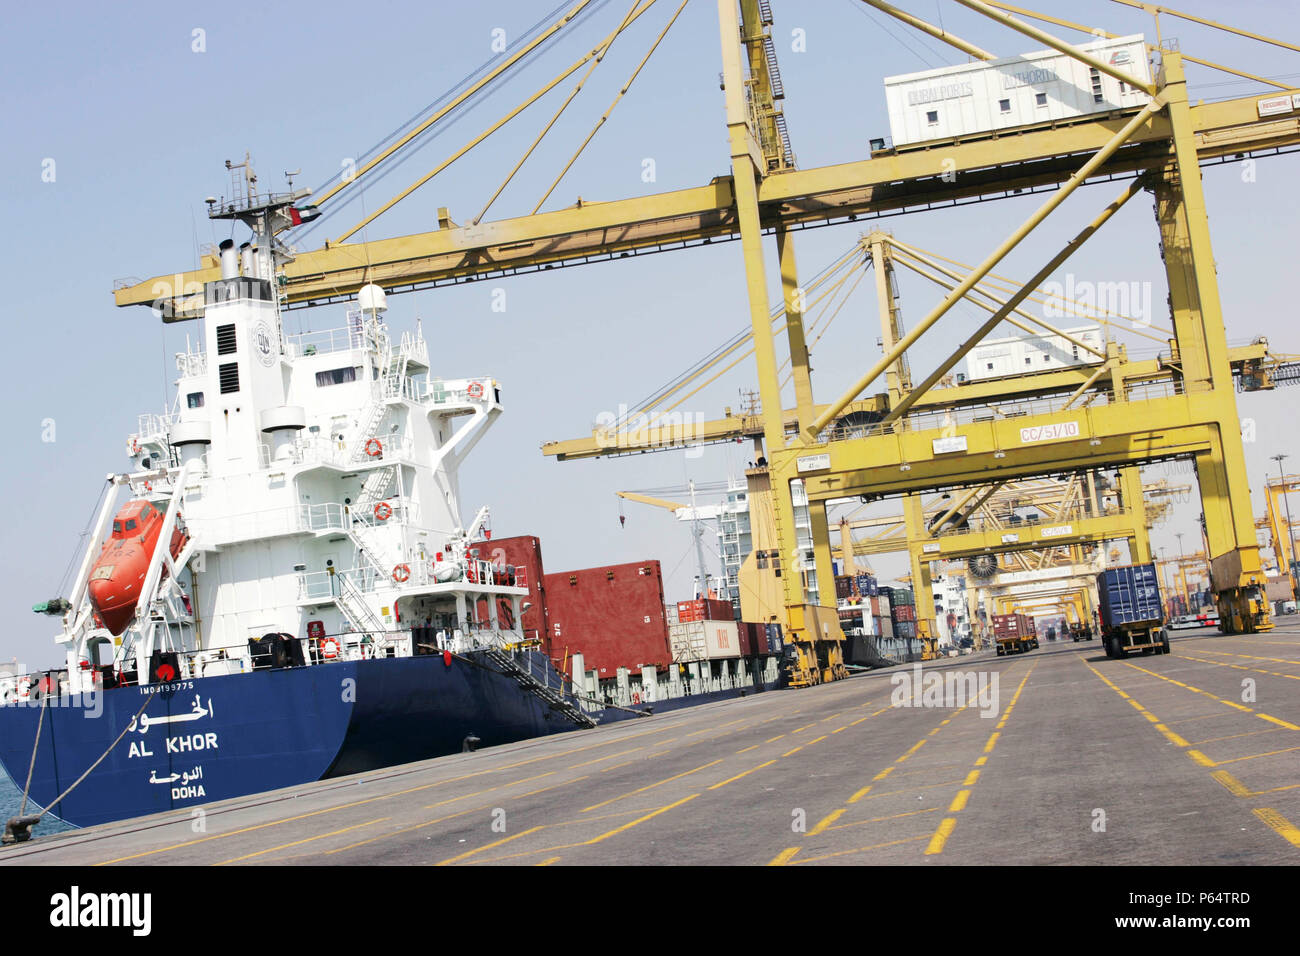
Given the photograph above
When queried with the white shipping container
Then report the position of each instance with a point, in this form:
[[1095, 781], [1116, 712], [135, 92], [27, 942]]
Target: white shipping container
[[704, 640], [997, 358], [1022, 90], [686, 642]]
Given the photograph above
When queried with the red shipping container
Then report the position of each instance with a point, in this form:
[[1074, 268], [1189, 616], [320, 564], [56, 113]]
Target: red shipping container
[[612, 615], [746, 638], [524, 552], [717, 610]]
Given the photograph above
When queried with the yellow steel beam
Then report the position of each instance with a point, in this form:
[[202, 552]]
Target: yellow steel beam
[[1094, 31], [1154, 9], [462, 97], [652, 501], [678, 433], [899, 410], [998, 254], [936, 32], [604, 117], [573, 93], [993, 166], [1042, 36], [1133, 432], [559, 78]]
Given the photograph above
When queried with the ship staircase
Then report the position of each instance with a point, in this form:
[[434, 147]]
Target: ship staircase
[[352, 601], [553, 698]]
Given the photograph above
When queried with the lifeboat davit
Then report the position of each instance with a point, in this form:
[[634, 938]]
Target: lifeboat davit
[[118, 574]]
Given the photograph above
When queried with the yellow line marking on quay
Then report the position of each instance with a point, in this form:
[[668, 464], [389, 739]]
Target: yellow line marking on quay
[[311, 839], [825, 823], [554, 786], [594, 840], [1280, 824], [1222, 700], [941, 834], [651, 786], [1222, 777], [723, 783], [891, 816], [1252, 657], [1239, 667], [468, 853]]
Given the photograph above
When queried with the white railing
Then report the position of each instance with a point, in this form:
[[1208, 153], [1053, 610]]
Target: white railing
[[151, 426], [438, 392], [290, 519], [330, 340], [319, 585], [343, 454], [191, 364]]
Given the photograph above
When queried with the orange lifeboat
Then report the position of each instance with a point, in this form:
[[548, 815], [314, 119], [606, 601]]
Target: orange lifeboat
[[118, 574]]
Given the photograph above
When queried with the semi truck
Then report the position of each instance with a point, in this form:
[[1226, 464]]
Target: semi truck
[[1014, 633], [1131, 611]]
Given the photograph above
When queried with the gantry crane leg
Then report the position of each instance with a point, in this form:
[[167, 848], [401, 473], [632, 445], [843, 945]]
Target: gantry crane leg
[[812, 632], [1132, 499], [1235, 570]]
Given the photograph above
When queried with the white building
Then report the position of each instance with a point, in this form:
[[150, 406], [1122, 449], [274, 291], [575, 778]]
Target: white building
[[998, 358], [1041, 87]]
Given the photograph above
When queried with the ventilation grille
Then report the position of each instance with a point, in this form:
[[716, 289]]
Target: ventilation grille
[[225, 339], [229, 374]]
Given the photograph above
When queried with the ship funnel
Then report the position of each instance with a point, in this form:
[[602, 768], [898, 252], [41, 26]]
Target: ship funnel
[[229, 262], [246, 259]]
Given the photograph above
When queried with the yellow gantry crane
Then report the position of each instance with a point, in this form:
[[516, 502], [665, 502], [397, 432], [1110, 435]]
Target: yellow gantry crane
[[915, 437]]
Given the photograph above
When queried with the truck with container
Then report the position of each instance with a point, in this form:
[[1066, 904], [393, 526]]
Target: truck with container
[[1014, 633], [1131, 611]]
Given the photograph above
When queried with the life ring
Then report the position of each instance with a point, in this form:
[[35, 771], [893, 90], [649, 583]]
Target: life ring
[[401, 574], [329, 648], [374, 448], [383, 511], [475, 390]]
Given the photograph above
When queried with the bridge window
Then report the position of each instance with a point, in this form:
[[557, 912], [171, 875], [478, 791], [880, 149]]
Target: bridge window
[[194, 400], [336, 376]]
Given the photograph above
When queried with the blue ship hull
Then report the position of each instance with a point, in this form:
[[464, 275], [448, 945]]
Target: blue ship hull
[[214, 738]]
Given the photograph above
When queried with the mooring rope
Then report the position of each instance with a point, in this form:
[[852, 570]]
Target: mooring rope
[[18, 829], [36, 743], [125, 730]]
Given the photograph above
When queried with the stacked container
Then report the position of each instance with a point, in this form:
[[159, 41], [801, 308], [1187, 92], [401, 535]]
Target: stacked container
[[613, 615]]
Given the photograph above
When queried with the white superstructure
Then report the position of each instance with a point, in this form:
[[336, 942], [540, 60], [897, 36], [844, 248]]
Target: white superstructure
[[315, 475]]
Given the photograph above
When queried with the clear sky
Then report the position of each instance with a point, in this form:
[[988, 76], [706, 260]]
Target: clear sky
[[133, 113]]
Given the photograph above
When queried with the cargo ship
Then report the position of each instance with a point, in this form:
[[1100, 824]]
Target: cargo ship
[[289, 590]]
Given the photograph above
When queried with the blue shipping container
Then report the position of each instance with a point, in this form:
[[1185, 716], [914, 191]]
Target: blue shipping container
[[1130, 595]]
